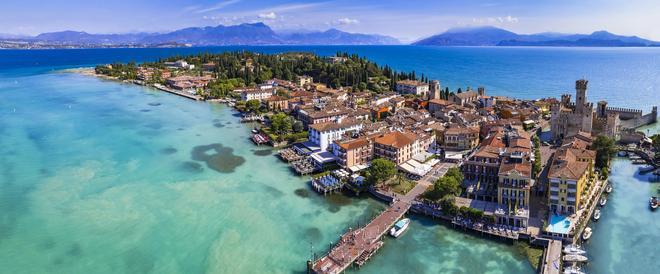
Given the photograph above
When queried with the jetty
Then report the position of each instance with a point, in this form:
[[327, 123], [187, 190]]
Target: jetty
[[180, 93], [360, 243]]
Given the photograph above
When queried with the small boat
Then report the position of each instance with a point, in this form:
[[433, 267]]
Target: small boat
[[574, 258], [255, 130], [574, 249], [602, 201], [654, 202], [623, 153], [596, 214], [608, 189], [399, 227], [586, 234], [572, 270]]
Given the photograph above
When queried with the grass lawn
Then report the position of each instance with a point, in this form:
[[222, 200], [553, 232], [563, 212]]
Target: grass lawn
[[401, 185]]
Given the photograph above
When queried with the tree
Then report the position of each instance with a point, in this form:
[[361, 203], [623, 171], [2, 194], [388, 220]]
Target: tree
[[456, 173], [281, 123], [447, 185], [536, 167], [605, 149], [253, 105], [380, 170], [298, 126], [656, 145]]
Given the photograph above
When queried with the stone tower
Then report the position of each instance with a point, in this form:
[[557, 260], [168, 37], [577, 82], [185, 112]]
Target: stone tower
[[481, 91], [581, 95], [601, 110], [434, 91]]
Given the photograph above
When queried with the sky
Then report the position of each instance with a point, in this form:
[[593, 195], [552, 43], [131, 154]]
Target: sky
[[406, 20]]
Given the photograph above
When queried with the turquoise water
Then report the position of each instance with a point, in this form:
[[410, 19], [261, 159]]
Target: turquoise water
[[102, 177]]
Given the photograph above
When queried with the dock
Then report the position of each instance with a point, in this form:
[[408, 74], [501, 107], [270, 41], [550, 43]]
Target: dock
[[180, 93], [552, 258], [357, 246]]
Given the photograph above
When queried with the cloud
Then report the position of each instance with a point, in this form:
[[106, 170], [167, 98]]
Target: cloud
[[496, 20], [347, 21], [217, 6], [269, 15]]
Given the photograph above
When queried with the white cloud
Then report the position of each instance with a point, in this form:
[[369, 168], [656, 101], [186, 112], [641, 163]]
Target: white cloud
[[217, 6], [496, 20], [269, 15], [347, 21]]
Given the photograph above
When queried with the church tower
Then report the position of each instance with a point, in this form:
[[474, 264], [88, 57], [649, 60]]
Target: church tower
[[581, 95], [434, 90]]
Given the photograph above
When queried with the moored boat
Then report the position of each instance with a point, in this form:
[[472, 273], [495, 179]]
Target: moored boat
[[602, 201], [623, 153], [596, 214], [572, 270], [399, 227], [654, 202], [608, 189], [574, 258], [586, 234], [255, 130], [573, 249]]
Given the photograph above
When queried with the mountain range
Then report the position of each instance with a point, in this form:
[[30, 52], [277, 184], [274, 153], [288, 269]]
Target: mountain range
[[492, 36], [243, 34]]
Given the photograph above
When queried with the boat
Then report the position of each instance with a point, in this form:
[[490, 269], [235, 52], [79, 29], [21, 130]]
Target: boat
[[654, 202], [572, 270], [399, 227], [574, 249], [596, 214], [603, 201], [623, 153], [574, 258], [608, 189], [586, 234], [255, 130]]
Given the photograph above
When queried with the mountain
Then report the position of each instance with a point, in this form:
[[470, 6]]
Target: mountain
[[243, 34], [492, 36]]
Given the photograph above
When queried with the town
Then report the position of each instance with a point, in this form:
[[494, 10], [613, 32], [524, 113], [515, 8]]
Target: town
[[519, 170]]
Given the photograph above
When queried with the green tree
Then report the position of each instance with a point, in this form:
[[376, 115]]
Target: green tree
[[455, 173], [605, 149], [536, 166], [298, 126], [380, 170], [253, 105], [281, 123], [447, 185]]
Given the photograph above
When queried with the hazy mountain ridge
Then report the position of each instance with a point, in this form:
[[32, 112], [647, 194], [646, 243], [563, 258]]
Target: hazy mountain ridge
[[243, 34], [492, 36]]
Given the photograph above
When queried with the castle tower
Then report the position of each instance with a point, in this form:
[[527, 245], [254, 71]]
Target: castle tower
[[565, 100], [580, 95], [481, 91], [434, 91], [601, 110]]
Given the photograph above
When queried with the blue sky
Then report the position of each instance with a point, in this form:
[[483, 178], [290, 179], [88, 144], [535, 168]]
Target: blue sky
[[407, 20]]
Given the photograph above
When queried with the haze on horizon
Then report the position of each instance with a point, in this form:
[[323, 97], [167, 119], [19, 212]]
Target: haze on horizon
[[405, 20]]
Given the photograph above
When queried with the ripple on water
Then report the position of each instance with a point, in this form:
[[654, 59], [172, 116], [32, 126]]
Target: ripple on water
[[190, 166], [168, 150], [217, 157]]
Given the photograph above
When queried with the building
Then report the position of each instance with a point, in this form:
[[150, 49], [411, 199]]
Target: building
[[256, 94], [354, 153], [435, 90], [313, 116], [304, 80], [570, 171], [436, 105], [467, 97], [412, 87], [278, 103], [188, 82], [460, 138], [396, 146], [513, 188], [323, 134]]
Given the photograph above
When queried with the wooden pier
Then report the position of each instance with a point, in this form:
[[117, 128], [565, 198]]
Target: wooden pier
[[180, 93], [360, 244]]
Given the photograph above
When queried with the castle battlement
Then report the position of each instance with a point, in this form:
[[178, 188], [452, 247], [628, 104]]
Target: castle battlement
[[627, 110]]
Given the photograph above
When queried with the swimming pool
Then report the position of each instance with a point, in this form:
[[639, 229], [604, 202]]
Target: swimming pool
[[559, 224]]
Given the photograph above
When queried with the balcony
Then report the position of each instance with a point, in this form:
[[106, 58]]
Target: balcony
[[554, 189]]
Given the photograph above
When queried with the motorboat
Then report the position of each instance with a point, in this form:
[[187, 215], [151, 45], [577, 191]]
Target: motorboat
[[596, 214], [399, 227], [608, 189], [623, 153], [586, 234], [574, 249], [574, 258], [654, 202], [572, 270], [255, 130], [602, 201]]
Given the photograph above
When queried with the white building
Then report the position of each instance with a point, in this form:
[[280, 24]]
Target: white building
[[323, 134], [412, 87], [256, 94]]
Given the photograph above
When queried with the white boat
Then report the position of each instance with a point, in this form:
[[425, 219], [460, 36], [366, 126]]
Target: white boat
[[399, 227], [608, 189], [574, 258], [586, 234], [255, 130], [574, 249], [602, 201], [623, 153], [572, 270], [654, 202], [596, 214]]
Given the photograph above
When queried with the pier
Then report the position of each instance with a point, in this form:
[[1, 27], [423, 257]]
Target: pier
[[176, 92], [360, 244]]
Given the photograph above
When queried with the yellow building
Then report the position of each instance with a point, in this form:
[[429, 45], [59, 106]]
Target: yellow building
[[569, 173], [514, 184]]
